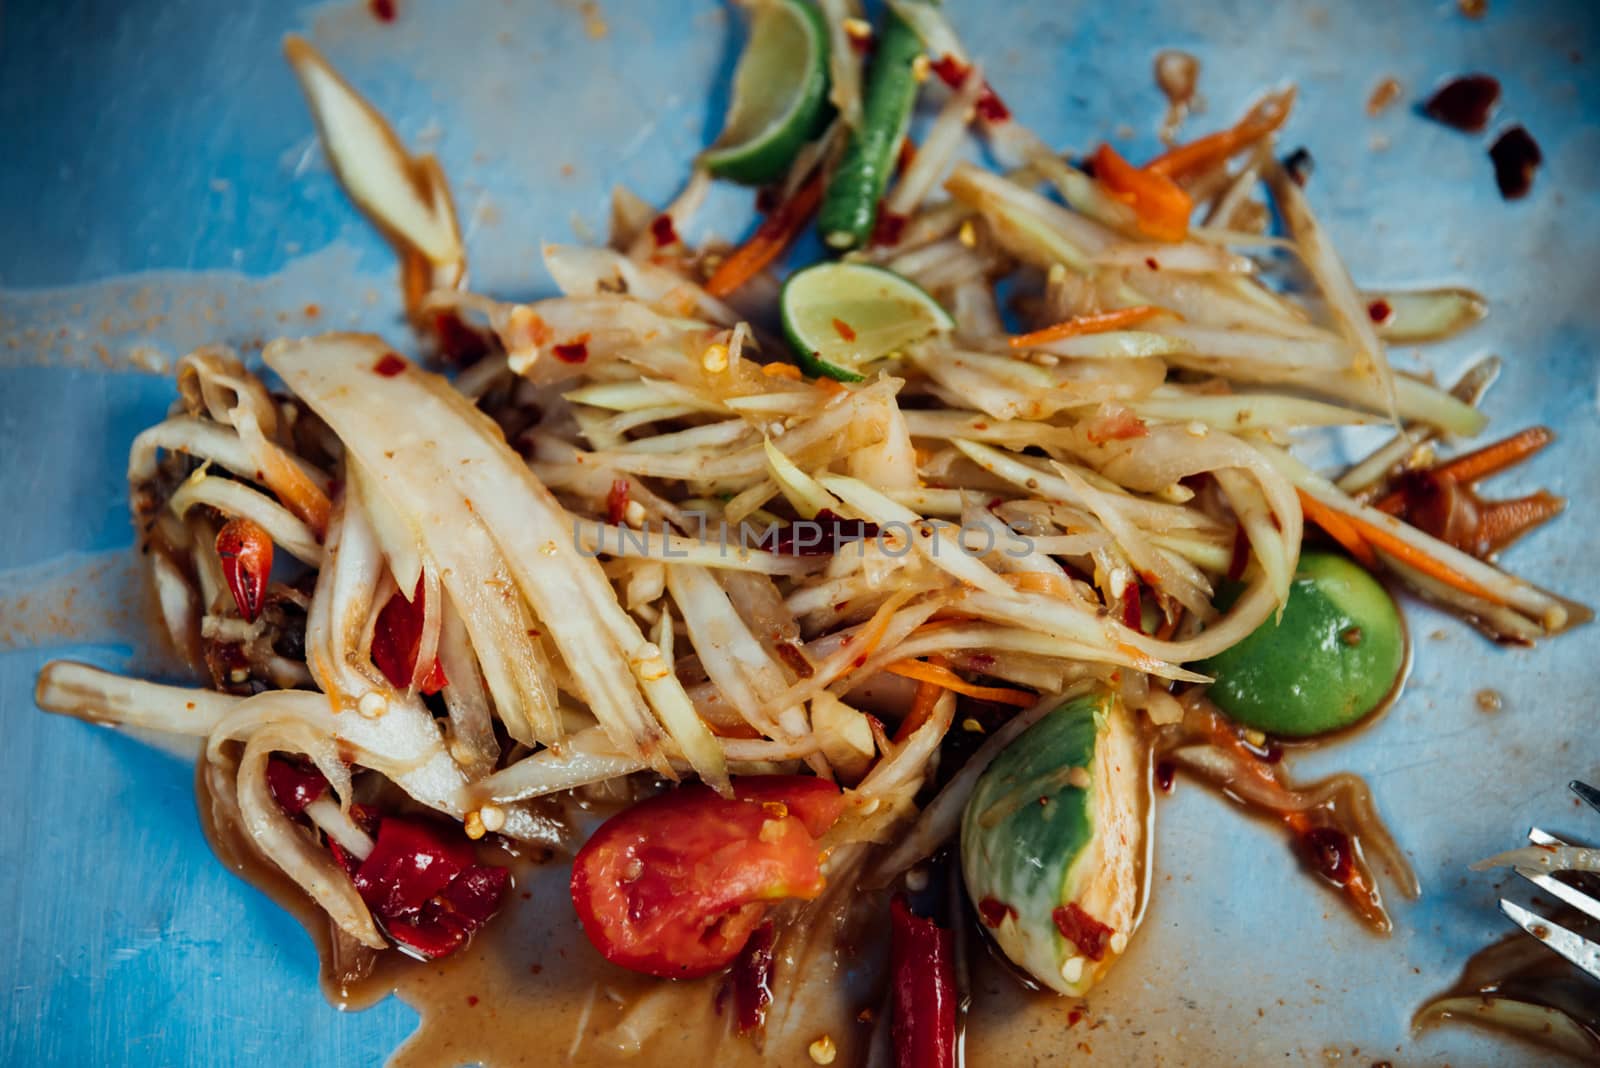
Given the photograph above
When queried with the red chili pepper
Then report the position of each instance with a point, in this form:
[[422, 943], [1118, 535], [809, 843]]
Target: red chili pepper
[[662, 230], [888, 229], [574, 351], [989, 106], [1088, 934], [389, 365], [922, 971], [459, 344], [752, 980], [395, 640], [245, 550], [293, 785], [617, 501], [1132, 607], [422, 880]]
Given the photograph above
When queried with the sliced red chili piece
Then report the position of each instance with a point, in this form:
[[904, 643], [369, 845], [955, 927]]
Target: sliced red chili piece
[[1081, 929], [422, 881], [396, 637], [294, 785], [922, 973]]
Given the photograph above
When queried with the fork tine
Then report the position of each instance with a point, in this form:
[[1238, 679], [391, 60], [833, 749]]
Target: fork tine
[[1569, 944], [1587, 792], [1556, 888]]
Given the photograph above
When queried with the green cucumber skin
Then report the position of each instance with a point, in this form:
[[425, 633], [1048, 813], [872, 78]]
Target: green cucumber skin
[[1299, 678], [850, 205], [1024, 859]]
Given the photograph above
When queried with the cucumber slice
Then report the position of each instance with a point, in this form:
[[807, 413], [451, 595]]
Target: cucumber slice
[[1051, 842], [850, 206], [780, 90], [839, 317], [1328, 663]]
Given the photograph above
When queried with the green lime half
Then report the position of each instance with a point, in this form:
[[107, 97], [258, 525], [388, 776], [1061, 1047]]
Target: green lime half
[[779, 90], [839, 317], [1333, 658]]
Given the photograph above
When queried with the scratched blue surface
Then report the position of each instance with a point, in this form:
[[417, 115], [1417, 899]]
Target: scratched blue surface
[[159, 188]]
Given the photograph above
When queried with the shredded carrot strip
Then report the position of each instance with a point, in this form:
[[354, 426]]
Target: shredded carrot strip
[[1041, 582], [1160, 205], [1185, 160], [927, 696], [1380, 538], [769, 240], [946, 679], [863, 643], [1503, 522], [1087, 324], [1339, 529], [1481, 463], [294, 488], [782, 370]]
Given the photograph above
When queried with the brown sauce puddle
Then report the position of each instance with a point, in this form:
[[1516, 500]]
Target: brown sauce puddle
[[1518, 987], [529, 989]]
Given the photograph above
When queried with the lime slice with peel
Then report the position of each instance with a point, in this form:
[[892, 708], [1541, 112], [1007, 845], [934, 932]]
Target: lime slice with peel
[[840, 317], [779, 90]]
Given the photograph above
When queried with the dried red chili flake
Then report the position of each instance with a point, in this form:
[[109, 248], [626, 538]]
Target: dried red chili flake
[[395, 639], [751, 980], [424, 884], [574, 351], [617, 501], [1082, 930], [888, 228], [663, 231], [389, 365], [383, 10], [459, 344], [795, 659], [1516, 157], [1380, 311], [1132, 607], [1464, 103], [845, 331], [294, 785], [821, 536], [989, 106], [1328, 852], [993, 911]]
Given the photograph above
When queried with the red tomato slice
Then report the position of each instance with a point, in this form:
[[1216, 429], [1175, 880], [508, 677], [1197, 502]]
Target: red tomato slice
[[675, 885]]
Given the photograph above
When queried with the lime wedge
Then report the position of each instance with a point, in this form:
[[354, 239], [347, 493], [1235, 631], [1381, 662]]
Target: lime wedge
[[779, 91], [840, 317]]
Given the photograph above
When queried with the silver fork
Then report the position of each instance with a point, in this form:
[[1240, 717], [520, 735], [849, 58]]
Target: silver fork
[[1581, 951]]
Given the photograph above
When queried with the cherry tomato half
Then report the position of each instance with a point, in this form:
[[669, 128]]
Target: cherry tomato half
[[675, 885]]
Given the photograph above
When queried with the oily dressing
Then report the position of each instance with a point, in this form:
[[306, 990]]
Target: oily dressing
[[529, 989]]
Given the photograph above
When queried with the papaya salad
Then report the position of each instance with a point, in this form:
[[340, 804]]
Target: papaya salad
[[769, 590]]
